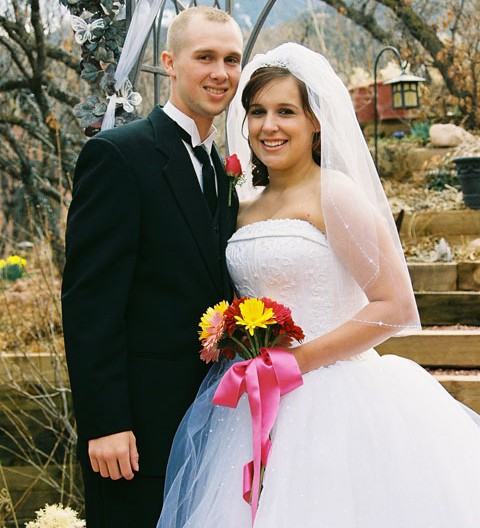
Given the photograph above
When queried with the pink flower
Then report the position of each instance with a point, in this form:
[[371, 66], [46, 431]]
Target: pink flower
[[212, 328]]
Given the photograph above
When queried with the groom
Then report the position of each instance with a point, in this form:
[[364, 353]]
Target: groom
[[145, 258]]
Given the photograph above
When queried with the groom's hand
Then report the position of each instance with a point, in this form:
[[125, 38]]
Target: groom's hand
[[114, 456]]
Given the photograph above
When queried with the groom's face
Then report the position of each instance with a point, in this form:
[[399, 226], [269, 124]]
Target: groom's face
[[205, 71]]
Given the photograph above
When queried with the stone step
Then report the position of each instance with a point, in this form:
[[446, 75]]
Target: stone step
[[449, 308]]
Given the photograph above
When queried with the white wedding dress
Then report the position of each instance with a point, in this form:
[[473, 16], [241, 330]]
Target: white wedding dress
[[372, 442]]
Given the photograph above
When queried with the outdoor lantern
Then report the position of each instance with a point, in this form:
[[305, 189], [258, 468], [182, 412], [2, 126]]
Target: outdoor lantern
[[405, 91]]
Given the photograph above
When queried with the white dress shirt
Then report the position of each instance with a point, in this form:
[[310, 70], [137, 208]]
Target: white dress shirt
[[189, 125]]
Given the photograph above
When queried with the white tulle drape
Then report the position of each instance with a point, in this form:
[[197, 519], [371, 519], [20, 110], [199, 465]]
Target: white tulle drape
[[142, 20], [193, 463]]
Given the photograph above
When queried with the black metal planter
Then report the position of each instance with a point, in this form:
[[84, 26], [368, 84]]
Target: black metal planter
[[468, 170]]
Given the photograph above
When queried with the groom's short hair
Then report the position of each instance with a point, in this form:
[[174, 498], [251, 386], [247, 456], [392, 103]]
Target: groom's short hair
[[178, 26]]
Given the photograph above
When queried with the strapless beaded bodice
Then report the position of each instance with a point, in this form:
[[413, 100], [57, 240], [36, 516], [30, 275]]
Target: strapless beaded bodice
[[290, 261]]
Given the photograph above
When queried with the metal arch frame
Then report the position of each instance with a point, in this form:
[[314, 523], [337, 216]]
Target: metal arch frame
[[156, 68], [256, 30]]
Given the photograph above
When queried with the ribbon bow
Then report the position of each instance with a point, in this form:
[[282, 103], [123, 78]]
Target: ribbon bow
[[265, 379]]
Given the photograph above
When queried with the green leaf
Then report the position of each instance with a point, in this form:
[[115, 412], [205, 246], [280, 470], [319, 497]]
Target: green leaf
[[101, 53], [90, 72], [100, 109]]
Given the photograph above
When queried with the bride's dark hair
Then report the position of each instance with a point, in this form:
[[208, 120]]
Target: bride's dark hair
[[259, 79]]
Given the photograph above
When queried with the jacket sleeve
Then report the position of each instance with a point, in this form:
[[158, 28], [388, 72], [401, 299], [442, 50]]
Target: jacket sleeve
[[101, 251]]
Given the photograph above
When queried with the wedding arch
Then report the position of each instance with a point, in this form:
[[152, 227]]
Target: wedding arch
[[114, 36]]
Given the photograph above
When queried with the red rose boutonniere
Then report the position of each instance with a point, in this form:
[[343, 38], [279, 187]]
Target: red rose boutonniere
[[234, 171]]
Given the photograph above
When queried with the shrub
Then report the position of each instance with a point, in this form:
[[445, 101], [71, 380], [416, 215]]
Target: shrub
[[12, 268]]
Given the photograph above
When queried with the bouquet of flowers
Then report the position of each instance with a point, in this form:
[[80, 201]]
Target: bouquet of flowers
[[244, 327], [253, 328]]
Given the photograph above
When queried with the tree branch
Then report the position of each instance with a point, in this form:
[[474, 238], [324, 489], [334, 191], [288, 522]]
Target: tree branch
[[426, 35], [416, 26], [14, 84], [36, 20], [45, 188], [14, 56], [52, 90], [18, 34], [31, 128], [65, 58], [27, 44], [362, 18], [25, 164], [9, 167], [63, 97]]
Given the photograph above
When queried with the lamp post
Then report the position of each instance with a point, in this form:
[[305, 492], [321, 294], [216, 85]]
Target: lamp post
[[404, 91]]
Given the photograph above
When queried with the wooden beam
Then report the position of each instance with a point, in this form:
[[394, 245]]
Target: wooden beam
[[441, 223], [469, 276], [32, 367], [437, 348], [433, 276], [464, 388], [449, 308]]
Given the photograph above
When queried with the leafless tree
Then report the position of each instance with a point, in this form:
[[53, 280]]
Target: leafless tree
[[39, 85], [442, 35]]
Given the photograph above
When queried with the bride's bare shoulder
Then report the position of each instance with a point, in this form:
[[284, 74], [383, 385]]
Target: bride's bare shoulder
[[248, 210], [340, 183]]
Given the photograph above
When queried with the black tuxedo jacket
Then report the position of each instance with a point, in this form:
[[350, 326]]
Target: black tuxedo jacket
[[144, 261]]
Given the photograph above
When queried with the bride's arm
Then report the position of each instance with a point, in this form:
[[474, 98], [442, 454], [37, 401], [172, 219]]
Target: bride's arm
[[384, 280]]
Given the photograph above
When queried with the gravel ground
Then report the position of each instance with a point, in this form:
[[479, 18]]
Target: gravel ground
[[414, 196]]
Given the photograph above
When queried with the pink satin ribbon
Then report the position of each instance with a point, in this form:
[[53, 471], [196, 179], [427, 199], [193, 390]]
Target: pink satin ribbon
[[265, 379]]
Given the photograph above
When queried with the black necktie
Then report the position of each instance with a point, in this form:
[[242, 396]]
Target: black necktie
[[208, 174]]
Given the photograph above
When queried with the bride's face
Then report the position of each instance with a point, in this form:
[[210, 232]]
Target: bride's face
[[280, 132]]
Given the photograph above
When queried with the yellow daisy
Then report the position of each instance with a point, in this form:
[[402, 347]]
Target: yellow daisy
[[255, 315]]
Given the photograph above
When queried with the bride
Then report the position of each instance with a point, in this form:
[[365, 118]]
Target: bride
[[366, 441]]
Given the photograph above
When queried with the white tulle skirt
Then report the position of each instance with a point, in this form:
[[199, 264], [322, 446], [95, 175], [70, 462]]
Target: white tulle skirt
[[368, 443]]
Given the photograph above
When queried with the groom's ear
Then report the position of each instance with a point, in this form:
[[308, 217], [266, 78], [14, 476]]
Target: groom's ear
[[167, 62]]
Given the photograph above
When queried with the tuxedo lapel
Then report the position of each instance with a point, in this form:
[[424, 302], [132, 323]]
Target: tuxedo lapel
[[227, 213], [222, 184], [183, 182]]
